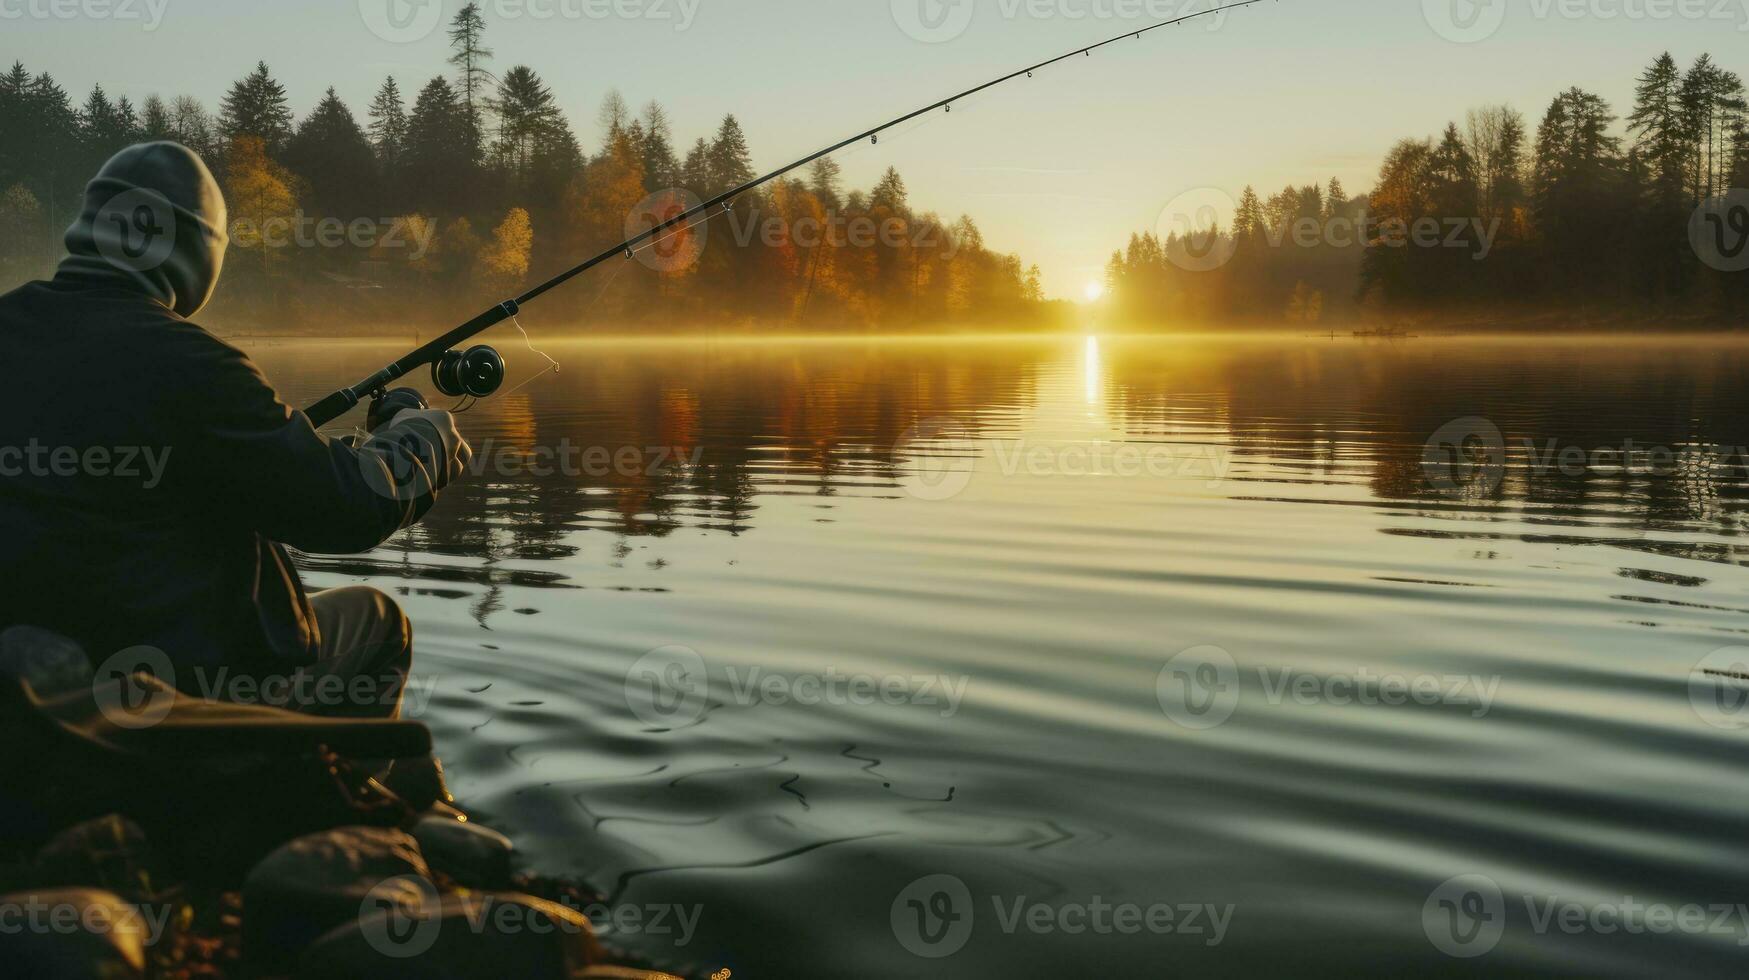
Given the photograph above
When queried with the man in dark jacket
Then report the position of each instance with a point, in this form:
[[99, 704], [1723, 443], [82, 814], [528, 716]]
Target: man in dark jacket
[[149, 474]]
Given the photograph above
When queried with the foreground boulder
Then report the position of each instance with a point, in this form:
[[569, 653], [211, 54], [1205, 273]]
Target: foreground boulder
[[475, 856], [317, 883], [72, 934], [458, 937], [109, 853]]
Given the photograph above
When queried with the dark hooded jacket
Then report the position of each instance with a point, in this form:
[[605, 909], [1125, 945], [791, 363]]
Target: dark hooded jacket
[[147, 469]]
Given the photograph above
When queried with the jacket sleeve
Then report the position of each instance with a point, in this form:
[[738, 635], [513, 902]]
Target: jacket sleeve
[[269, 467]]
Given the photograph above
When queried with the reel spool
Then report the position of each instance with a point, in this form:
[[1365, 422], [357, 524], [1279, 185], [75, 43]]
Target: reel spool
[[478, 372]]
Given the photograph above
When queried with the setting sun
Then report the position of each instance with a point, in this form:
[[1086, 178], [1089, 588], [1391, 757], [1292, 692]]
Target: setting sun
[[1094, 291]]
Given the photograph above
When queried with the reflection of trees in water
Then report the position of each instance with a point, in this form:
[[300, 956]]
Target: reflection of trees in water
[[1331, 414], [753, 420], [705, 433]]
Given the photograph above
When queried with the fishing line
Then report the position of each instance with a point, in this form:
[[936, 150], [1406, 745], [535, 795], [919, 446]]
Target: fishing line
[[480, 370]]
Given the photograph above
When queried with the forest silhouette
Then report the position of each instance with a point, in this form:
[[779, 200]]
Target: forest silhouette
[[1570, 223], [441, 201]]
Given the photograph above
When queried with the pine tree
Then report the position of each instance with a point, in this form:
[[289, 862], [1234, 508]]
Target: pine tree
[[155, 119], [438, 167], [826, 181], [731, 163], [613, 117], [105, 128], [330, 152], [890, 194], [1661, 131], [256, 106], [528, 120], [1335, 199], [1249, 220], [466, 31], [695, 173], [388, 128], [661, 167]]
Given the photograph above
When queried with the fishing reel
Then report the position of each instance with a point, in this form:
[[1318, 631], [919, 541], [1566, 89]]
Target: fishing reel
[[478, 371]]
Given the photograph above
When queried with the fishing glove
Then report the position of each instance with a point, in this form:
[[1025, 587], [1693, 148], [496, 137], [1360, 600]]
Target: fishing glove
[[431, 452], [383, 410]]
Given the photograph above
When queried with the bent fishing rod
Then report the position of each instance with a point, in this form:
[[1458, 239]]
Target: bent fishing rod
[[479, 372]]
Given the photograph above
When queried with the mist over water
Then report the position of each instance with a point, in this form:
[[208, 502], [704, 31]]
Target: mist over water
[[1091, 623]]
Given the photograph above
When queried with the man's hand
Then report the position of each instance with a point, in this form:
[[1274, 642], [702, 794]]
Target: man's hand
[[384, 409], [453, 451]]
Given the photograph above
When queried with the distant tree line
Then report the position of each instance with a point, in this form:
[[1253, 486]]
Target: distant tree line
[[1487, 219], [475, 185]]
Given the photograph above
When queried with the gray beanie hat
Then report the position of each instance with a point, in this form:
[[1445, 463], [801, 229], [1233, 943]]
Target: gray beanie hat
[[154, 220]]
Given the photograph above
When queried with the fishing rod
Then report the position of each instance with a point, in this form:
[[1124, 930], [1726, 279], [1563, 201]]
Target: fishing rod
[[479, 371]]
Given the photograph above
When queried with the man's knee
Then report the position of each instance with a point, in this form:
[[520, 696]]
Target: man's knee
[[363, 620]]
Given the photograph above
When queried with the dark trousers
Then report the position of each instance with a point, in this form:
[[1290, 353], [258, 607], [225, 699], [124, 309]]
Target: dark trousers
[[365, 654]]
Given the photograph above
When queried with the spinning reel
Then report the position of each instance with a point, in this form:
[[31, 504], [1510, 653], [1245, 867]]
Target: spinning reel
[[478, 372]]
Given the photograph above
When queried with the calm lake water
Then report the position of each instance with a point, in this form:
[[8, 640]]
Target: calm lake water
[[1150, 656]]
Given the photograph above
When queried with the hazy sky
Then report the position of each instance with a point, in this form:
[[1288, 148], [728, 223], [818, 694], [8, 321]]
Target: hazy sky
[[1061, 168]]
